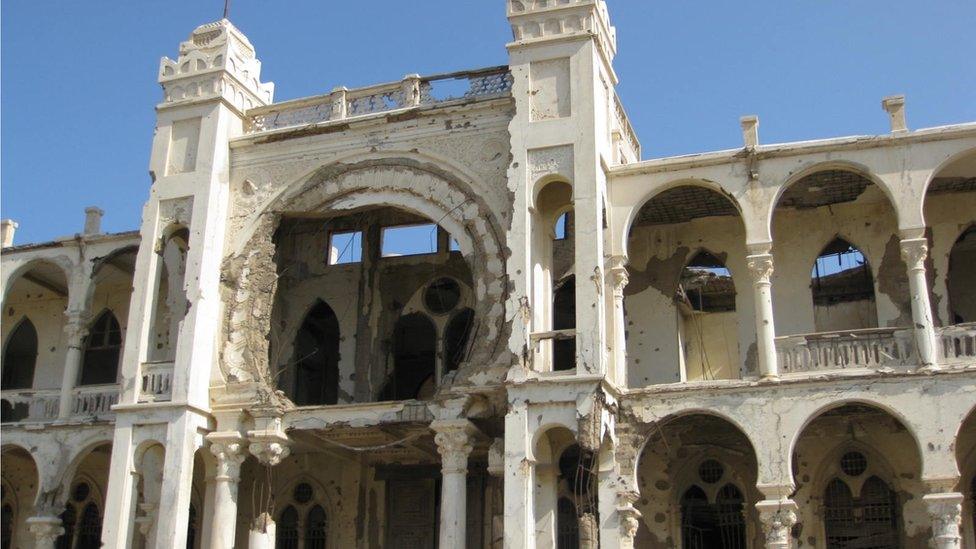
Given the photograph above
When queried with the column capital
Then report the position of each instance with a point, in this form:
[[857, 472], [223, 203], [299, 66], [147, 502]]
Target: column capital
[[629, 514], [76, 326], [914, 251], [945, 510], [618, 274], [46, 530], [777, 517], [761, 267], [269, 449], [496, 457], [455, 441], [229, 449]]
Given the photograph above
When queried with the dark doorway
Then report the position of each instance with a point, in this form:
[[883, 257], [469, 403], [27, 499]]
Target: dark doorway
[[414, 348], [564, 318], [102, 348], [316, 358], [19, 357]]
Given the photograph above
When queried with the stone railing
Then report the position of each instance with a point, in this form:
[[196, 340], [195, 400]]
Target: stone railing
[[412, 91], [94, 400], [874, 348], [30, 405], [157, 382], [626, 129], [957, 344]]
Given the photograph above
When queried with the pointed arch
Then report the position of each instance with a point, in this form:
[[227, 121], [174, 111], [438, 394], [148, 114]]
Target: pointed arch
[[842, 288], [315, 380], [286, 536], [20, 356], [960, 276], [103, 347], [316, 528], [457, 338], [414, 358]]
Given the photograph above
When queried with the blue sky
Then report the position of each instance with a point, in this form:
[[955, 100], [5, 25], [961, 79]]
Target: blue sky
[[78, 78]]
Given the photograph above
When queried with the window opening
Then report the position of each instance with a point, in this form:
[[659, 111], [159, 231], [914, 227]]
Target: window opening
[[103, 346], [414, 342], [345, 247], [567, 525], [843, 289], [562, 226], [707, 284], [457, 339], [303, 493], [406, 240], [90, 529], [19, 357], [442, 295], [959, 282], [316, 358], [853, 463], [564, 318], [286, 535], [710, 471], [316, 528], [718, 525], [867, 521], [68, 517]]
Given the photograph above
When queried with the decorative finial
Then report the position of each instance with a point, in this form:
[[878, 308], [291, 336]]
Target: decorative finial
[[226, 9]]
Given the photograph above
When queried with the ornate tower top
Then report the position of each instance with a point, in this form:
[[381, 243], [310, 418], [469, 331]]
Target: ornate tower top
[[542, 20], [217, 61]]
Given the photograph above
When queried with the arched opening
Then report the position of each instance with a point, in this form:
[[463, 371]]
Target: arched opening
[[457, 339], [556, 472], [708, 325], [314, 377], [856, 459], [718, 523], [170, 304], [961, 273], [316, 528], [697, 476], [391, 301], [843, 289], [103, 347], [414, 350], [19, 491], [20, 356], [553, 291], [286, 536], [680, 304], [965, 446], [82, 515], [150, 460], [564, 318], [568, 525], [825, 203]]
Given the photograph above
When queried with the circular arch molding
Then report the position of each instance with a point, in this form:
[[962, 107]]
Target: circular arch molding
[[821, 166], [935, 173], [63, 263], [406, 183], [685, 182]]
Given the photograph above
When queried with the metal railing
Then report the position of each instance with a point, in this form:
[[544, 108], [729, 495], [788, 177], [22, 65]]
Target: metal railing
[[412, 91]]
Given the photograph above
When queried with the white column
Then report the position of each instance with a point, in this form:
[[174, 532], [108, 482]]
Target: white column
[[619, 279], [46, 531], [914, 251], [761, 268], [945, 510], [75, 329], [777, 517], [519, 521], [228, 448], [454, 441]]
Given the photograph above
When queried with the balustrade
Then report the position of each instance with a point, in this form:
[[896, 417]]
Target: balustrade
[[874, 348], [44, 405], [412, 91], [957, 343], [157, 382], [94, 399]]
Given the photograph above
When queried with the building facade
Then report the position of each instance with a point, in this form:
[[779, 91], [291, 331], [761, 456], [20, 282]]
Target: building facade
[[461, 311]]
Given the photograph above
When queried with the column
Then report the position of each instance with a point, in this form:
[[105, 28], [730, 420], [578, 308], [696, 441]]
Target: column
[[454, 441], [777, 517], [46, 531], [228, 448], [519, 517], [629, 517], [945, 510], [761, 267], [619, 278], [914, 251], [75, 329]]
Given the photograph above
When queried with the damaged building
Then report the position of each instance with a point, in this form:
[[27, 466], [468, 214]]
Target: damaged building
[[461, 310]]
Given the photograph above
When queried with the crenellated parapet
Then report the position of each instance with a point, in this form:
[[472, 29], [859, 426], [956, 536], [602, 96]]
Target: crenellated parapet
[[539, 20], [217, 61]]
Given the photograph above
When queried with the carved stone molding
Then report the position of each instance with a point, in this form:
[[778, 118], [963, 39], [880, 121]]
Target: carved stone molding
[[619, 275], [228, 448], [914, 251], [761, 267], [455, 441], [777, 518], [551, 161], [496, 457], [945, 510], [629, 515], [46, 530]]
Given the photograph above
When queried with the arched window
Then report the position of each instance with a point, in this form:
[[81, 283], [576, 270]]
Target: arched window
[[68, 518], [19, 357], [102, 348], [867, 521], [567, 525], [708, 326], [843, 289], [456, 337], [959, 282], [286, 536], [718, 525], [564, 318], [316, 362], [414, 344], [90, 528], [316, 528]]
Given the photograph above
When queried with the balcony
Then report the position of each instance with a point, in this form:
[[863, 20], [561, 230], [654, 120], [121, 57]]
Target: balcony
[[157, 382], [872, 349], [43, 405], [94, 400], [957, 344]]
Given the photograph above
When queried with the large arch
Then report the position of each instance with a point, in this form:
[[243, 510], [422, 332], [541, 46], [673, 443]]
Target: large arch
[[410, 183], [20, 476]]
